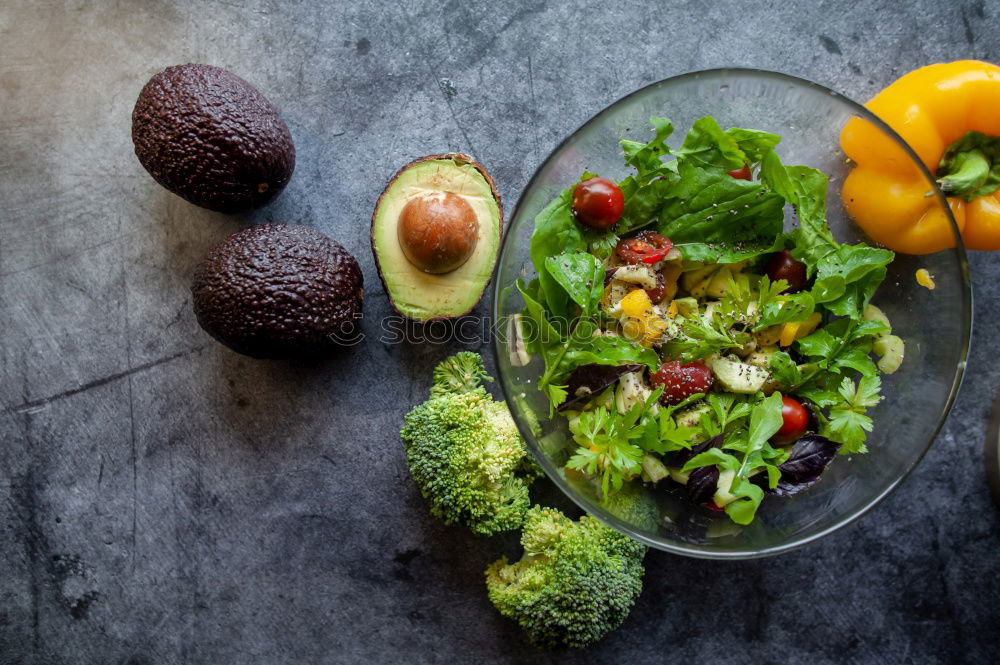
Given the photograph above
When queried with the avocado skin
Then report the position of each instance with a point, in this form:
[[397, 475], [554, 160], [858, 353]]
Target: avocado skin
[[279, 290], [212, 138]]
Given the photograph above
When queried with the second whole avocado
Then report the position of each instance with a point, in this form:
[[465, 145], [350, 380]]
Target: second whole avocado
[[279, 290]]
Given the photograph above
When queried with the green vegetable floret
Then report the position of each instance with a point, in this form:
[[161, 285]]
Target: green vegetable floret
[[465, 453], [575, 583]]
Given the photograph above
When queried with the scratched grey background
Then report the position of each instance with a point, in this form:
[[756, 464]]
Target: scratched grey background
[[163, 500]]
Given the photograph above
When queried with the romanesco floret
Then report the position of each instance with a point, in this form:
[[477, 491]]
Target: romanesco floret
[[465, 453], [576, 582]]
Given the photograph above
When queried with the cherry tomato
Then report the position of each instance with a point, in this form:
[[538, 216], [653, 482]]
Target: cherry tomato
[[681, 381], [783, 266], [646, 247], [794, 419], [598, 203], [741, 174], [656, 295]]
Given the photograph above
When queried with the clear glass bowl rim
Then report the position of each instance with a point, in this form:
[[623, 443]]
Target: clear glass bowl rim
[[794, 543]]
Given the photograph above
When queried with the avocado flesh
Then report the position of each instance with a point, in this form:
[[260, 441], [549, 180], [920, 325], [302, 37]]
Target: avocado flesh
[[739, 377], [413, 292]]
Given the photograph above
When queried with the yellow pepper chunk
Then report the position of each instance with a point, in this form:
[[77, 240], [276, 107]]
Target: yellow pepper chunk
[[794, 330], [925, 280], [640, 321]]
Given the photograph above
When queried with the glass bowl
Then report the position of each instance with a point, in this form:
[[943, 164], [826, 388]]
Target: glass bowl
[[935, 324]]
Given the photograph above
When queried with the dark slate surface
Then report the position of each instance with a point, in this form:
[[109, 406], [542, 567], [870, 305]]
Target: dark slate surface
[[163, 500]]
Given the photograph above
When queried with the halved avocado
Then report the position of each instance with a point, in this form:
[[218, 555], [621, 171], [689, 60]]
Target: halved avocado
[[436, 234]]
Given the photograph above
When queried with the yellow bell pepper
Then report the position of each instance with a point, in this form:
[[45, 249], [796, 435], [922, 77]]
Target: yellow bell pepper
[[640, 322], [935, 109]]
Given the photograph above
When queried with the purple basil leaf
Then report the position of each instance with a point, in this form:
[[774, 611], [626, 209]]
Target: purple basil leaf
[[586, 381], [702, 483], [810, 456]]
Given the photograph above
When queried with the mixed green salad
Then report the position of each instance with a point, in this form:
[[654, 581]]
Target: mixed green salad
[[688, 340]]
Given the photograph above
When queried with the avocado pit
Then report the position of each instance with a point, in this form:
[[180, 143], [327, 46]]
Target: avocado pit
[[438, 231]]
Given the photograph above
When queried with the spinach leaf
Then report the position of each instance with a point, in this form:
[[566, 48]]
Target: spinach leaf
[[555, 231], [539, 335], [805, 189], [714, 217], [581, 275], [754, 143], [647, 157], [707, 145]]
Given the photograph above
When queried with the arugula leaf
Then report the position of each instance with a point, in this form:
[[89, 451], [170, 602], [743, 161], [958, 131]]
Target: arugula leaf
[[857, 295], [742, 510], [712, 456], [765, 420], [581, 274], [555, 231], [846, 276]]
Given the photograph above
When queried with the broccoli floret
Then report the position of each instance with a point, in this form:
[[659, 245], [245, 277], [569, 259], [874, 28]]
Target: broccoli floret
[[465, 453], [575, 583], [635, 504]]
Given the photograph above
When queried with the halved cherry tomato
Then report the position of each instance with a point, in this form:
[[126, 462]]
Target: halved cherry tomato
[[741, 174], [598, 203], [681, 381], [646, 247], [794, 419]]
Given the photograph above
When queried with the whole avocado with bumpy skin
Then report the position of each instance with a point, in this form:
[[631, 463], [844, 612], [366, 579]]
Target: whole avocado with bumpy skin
[[279, 290], [212, 138]]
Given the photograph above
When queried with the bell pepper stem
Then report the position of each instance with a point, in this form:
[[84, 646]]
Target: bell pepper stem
[[969, 171]]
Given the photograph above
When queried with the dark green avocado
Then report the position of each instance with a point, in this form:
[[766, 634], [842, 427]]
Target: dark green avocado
[[212, 138], [279, 290]]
